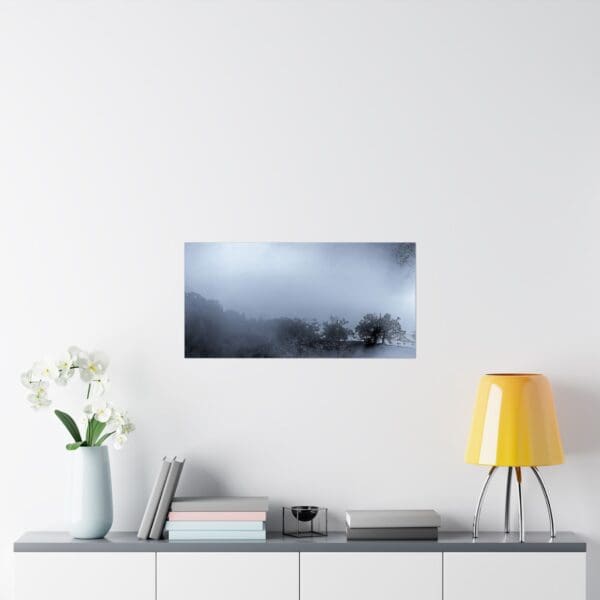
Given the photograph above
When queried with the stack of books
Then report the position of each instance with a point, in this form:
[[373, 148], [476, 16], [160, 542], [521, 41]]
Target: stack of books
[[209, 518], [392, 525]]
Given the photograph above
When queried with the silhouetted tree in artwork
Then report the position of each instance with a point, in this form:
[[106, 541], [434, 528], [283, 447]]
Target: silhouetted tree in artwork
[[335, 332], [376, 329], [297, 336], [404, 255]]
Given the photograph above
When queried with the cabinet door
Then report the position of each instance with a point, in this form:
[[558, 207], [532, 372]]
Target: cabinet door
[[514, 575], [84, 575], [227, 576], [371, 576]]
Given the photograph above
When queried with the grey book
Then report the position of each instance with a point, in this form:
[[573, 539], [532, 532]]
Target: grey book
[[166, 497], [216, 504], [392, 533], [357, 519], [153, 500]]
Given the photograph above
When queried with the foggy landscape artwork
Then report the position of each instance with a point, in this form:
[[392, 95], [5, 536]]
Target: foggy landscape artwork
[[300, 300]]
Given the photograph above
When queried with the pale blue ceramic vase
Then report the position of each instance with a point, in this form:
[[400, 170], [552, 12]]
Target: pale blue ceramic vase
[[91, 507]]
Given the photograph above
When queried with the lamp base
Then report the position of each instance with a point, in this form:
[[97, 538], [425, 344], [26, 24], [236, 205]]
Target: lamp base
[[509, 479]]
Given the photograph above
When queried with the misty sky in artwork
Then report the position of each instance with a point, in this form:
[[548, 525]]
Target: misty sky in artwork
[[304, 280]]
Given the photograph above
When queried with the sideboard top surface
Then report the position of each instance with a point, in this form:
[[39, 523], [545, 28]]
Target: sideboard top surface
[[126, 541]]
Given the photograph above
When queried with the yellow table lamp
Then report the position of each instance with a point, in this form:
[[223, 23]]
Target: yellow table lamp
[[514, 425]]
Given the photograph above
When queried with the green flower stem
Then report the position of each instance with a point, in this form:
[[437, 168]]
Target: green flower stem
[[88, 433], [104, 438]]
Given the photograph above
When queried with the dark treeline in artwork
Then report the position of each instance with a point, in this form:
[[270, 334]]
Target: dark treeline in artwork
[[300, 300], [226, 333]]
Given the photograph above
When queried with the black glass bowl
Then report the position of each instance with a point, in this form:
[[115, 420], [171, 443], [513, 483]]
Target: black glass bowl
[[305, 513]]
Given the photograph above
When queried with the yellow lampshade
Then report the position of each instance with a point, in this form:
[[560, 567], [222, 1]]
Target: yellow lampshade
[[514, 422]]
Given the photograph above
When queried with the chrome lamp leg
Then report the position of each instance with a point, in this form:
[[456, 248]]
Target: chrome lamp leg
[[480, 502], [521, 515], [547, 499], [509, 478], [507, 501]]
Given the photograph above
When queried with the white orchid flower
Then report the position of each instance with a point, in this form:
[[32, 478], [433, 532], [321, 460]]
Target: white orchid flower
[[27, 380], [60, 380], [75, 352], [88, 411], [37, 402], [65, 368], [117, 419], [121, 422], [92, 366], [65, 362], [40, 389], [63, 377], [103, 414], [119, 440], [39, 397], [99, 386], [44, 369], [127, 427]]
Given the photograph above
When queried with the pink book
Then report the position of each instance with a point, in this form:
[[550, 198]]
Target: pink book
[[217, 516]]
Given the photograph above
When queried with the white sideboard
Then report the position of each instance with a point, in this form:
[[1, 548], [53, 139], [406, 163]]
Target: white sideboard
[[75, 576], [227, 575], [376, 575], [517, 576], [53, 566]]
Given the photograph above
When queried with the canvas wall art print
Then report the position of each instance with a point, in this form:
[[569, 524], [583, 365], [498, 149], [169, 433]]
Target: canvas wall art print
[[300, 300]]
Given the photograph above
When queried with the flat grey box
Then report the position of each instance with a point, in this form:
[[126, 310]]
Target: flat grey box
[[392, 533], [392, 518]]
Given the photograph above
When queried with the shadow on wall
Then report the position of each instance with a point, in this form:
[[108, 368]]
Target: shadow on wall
[[197, 480], [578, 410]]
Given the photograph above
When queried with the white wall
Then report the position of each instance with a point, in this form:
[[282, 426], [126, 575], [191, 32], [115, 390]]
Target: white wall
[[128, 128]]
